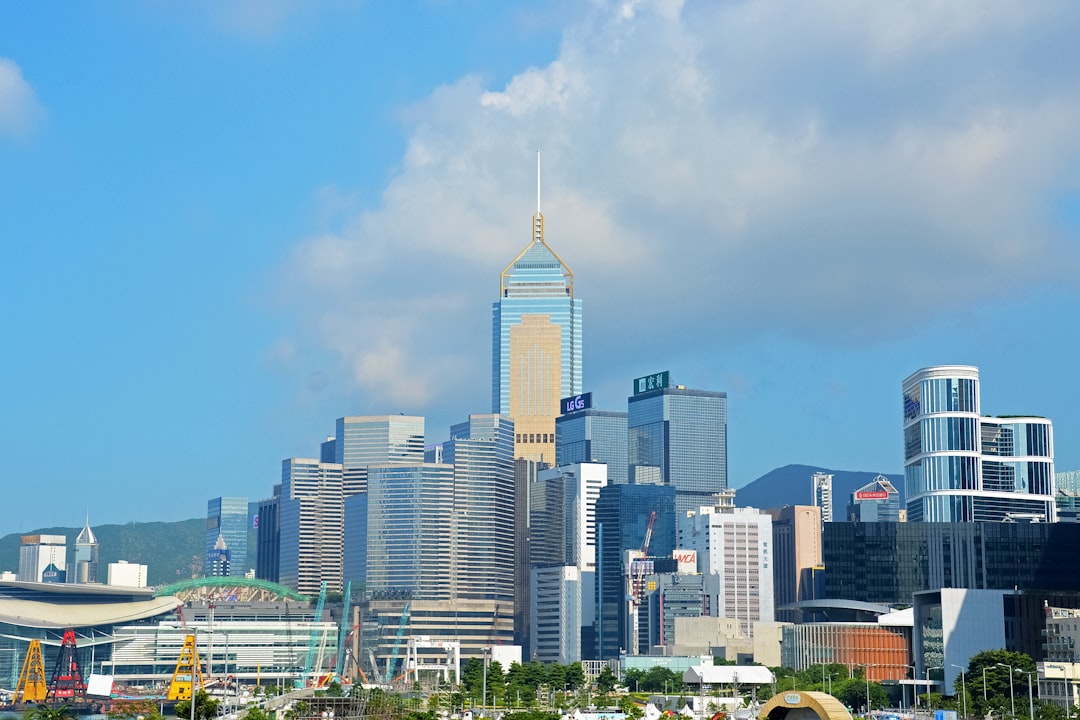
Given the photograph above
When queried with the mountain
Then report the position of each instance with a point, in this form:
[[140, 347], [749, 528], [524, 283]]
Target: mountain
[[790, 485], [171, 551]]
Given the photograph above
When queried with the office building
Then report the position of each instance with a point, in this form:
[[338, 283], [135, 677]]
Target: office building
[[961, 466], [86, 556], [268, 537], [623, 516], [796, 552], [587, 435], [360, 441], [536, 352], [526, 473], [218, 559], [562, 506], [677, 595], [37, 553], [678, 437], [877, 501], [736, 545], [354, 557], [821, 486], [882, 647], [310, 522], [125, 574], [887, 562], [227, 517]]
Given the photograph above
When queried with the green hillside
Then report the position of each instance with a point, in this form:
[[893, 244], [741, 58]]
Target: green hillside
[[171, 551]]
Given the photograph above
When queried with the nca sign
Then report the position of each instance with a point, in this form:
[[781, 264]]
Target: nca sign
[[871, 495], [687, 560]]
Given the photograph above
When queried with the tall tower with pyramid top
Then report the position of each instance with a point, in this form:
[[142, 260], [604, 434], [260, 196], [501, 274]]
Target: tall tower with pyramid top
[[536, 342], [86, 556]]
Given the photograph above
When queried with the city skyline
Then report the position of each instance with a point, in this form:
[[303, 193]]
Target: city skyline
[[229, 223]]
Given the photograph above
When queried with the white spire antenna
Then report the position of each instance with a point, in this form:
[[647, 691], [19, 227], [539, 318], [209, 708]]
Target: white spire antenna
[[537, 182]]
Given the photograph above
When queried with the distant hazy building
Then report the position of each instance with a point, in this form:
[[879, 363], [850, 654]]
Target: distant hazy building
[[877, 501], [736, 545], [796, 546], [678, 437], [536, 344], [86, 556], [960, 466], [311, 533], [587, 435], [821, 486], [678, 595], [38, 552], [622, 519], [218, 559], [228, 517], [525, 474], [125, 574]]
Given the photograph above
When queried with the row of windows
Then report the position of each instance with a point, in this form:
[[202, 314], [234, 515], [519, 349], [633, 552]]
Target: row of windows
[[535, 437]]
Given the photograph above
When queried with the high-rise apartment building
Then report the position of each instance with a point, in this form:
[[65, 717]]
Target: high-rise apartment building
[[536, 344], [961, 466], [360, 441], [736, 544], [821, 486], [86, 556], [228, 517], [678, 437], [623, 514], [310, 522], [588, 435]]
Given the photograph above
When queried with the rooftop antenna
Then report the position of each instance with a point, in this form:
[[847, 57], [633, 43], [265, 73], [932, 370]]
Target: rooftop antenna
[[538, 218]]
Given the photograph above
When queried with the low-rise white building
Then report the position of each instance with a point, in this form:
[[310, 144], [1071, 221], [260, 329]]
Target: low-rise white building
[[127, 574]]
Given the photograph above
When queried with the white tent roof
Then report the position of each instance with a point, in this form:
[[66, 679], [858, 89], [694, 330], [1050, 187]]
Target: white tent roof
[[728, 674]]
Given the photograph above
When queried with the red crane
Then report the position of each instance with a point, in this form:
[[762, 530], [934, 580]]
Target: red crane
[[639, 576]]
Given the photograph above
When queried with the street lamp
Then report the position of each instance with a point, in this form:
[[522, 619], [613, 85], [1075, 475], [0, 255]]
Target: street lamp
[[1012, 696], [1031, 697], [984, 684], [963, 685], [483, 700], [930, 705]]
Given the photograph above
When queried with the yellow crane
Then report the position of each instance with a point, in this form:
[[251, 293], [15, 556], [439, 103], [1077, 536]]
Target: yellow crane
[[32, 687], [187, 672]]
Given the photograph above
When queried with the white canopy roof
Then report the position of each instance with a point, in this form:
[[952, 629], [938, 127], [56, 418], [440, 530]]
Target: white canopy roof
[[728, 674]]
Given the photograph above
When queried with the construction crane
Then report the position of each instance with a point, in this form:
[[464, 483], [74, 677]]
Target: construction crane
[[313, 643], [639, 576], [67, 681], [188, 672], [344, 633], [397, 643], [31, 687]]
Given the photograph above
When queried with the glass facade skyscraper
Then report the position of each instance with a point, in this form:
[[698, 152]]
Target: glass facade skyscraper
[[360, 441], [960, 466], [310, 523], [678, 437], [536, 345], [593, 436], [622, 518], [228, 516]]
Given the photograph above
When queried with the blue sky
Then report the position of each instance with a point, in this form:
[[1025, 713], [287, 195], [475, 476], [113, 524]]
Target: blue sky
[[227, 223]]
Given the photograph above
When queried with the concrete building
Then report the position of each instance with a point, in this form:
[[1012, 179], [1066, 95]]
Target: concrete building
[[736, 545], [310, 520], [536, 355], [821, 486], [556, 613], [962, 466], [227, 517], [796, 552], [86, 556], [125, 574], [678, 437], [673, 596], [37, 553]]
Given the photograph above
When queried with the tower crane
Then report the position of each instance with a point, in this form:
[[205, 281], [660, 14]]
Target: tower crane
[[639, 576]]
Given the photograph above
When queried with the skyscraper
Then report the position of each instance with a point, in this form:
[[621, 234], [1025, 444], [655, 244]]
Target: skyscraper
[[588, 435], [374, 440], [877, 501], [228, 517], [678, 437], [821, 484], [310, 522], [536, 344], [796, 552], [960, 466], [86, 556]]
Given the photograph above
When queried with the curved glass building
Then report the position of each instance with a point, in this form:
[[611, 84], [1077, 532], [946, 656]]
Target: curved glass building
[[960, 466]]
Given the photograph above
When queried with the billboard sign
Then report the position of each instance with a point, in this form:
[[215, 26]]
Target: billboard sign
[[686, 559], [576, 402], [871, 495], [655, 381]]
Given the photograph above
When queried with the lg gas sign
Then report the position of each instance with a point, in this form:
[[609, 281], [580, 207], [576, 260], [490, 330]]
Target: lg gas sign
[[577, 402]]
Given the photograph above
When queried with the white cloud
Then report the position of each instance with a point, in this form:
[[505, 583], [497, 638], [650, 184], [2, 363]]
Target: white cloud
[[833, 170], [19, 107]]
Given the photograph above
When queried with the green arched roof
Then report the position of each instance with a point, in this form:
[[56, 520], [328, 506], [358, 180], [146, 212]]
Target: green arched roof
[[280, 590]]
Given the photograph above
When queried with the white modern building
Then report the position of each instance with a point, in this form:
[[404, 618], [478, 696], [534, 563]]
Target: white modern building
[[38, 552], [556, 614], [736, 544], [963, 466], [821, 485], [125, 574], [311, 525]]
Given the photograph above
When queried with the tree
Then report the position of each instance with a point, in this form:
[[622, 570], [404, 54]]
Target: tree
[[55, 712], [606, 680], [254, 712], [205, 708], [988, 666]]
